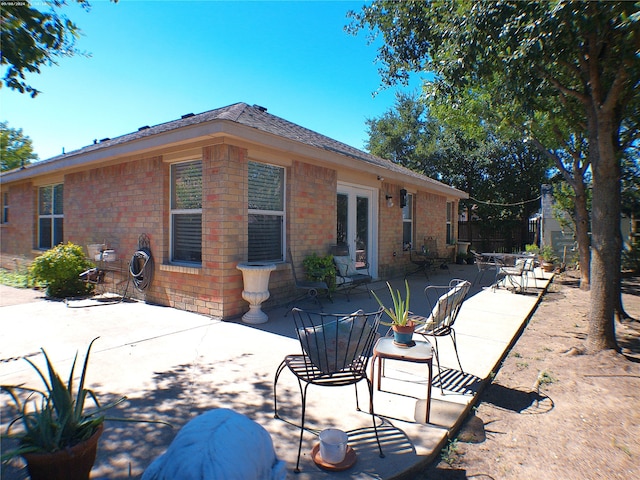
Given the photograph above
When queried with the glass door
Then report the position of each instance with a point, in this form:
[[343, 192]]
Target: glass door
[[354, 224]]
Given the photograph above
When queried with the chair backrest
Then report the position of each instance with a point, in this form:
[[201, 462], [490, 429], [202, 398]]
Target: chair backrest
[[334, 343], [485, 263], [431, 246], [293, 267], [345, 265], [445, 303]]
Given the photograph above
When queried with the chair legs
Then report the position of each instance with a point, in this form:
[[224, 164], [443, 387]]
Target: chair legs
[[303, 394], [311, 295], [452, 334]]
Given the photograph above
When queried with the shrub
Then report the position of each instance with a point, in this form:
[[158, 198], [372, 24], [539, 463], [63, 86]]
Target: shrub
[[60, 268], [321, 269]]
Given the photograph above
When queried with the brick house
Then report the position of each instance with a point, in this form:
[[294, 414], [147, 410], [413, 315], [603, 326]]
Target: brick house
[[225, 186]]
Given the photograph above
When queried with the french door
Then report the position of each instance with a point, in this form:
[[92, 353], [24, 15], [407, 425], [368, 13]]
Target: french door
[[356, 226]]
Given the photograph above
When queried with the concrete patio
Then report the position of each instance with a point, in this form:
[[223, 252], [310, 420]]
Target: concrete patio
[[173, 365]]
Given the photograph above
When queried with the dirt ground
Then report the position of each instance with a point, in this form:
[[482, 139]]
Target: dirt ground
[[552, 413]]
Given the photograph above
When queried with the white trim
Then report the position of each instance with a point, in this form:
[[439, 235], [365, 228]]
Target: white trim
[[372, 194]]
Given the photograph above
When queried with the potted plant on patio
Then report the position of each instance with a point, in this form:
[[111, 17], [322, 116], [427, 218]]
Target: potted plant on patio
[[402, 326], [548, 257], [60, 433]]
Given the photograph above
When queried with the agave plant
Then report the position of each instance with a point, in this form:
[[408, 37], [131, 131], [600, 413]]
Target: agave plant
[[400, 313], [56, 417]]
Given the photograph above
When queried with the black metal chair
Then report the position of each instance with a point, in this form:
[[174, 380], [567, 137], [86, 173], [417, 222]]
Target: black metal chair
[[432, 252], [335, 352], [444, 302], [348, 276], [311, 289], [422, 262]]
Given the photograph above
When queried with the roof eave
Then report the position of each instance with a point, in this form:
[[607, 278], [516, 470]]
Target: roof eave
[[216, 128]]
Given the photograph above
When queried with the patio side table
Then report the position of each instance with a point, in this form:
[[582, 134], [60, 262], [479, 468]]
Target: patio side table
[[421, 352]]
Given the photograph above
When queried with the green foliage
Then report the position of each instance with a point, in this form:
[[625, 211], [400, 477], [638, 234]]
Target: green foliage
[[562, 75], [532, 248], [60, 268], [504, 175], [320, 269], [16, 149], [399, 314], [20, 278], [404, 135], [55, 417], [32, 38], [548, 255], [631, 257], [451, 452]]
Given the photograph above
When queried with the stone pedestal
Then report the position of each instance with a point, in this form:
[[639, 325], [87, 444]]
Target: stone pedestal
[[256, 289]]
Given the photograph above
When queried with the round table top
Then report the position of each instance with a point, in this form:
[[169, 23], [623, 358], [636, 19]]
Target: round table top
[[421, 352]]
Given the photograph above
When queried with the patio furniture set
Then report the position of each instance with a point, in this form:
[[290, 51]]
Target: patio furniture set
[[336, 350]]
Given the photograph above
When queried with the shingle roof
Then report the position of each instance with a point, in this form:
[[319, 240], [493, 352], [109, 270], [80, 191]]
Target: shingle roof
[[255, 117]]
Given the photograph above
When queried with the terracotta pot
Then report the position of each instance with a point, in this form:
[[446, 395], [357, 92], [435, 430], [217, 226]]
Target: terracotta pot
[[547, 267], [74, 463], [403, 334]]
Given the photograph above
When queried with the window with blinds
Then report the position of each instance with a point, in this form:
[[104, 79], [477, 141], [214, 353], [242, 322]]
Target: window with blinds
[[266, 212], [50, 215], [186, 212]]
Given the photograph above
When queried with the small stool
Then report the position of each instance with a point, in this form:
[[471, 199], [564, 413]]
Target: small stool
[[421, 352]]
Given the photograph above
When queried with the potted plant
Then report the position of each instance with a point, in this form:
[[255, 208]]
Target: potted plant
[[320, 269], [402, 326], [471, 259], [548, 257], [60, 433]]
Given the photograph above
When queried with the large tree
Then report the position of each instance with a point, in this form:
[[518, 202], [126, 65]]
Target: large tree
[[560, 64], [502, 177], [33, 37], [16, 149]]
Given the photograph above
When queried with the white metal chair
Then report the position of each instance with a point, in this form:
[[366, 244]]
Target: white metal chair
[[516, 276], [445, 302]]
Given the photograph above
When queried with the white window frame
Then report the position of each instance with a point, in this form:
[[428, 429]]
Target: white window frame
[[410, 209], [5, 207], [50, 216], [174, 212], [449, 225], [271, 213]]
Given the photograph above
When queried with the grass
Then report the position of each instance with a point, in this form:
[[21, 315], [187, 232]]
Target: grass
[[19, 278], [451, 453]]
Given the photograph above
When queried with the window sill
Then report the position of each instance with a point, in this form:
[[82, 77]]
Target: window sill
[[180, 269]]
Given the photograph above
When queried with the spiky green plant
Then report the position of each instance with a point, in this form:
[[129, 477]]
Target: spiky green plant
[[56, 417], [400, 313]]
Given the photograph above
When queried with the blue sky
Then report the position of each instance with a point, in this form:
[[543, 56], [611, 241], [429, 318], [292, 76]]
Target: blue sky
[[152, 61]]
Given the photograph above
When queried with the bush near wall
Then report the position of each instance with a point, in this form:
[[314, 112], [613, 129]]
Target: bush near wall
[[60, 268]]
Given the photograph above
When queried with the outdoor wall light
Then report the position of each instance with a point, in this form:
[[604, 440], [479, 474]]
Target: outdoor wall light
[[389, 200]]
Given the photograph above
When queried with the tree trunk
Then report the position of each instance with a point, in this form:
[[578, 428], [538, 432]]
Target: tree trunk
[[582, 232], [605, 260]]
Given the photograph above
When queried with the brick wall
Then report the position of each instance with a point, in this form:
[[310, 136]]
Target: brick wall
[[115, 204], [311, 222], [18, 236], [390, 234]]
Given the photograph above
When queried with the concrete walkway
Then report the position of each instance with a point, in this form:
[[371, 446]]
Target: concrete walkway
[[173, 365]]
